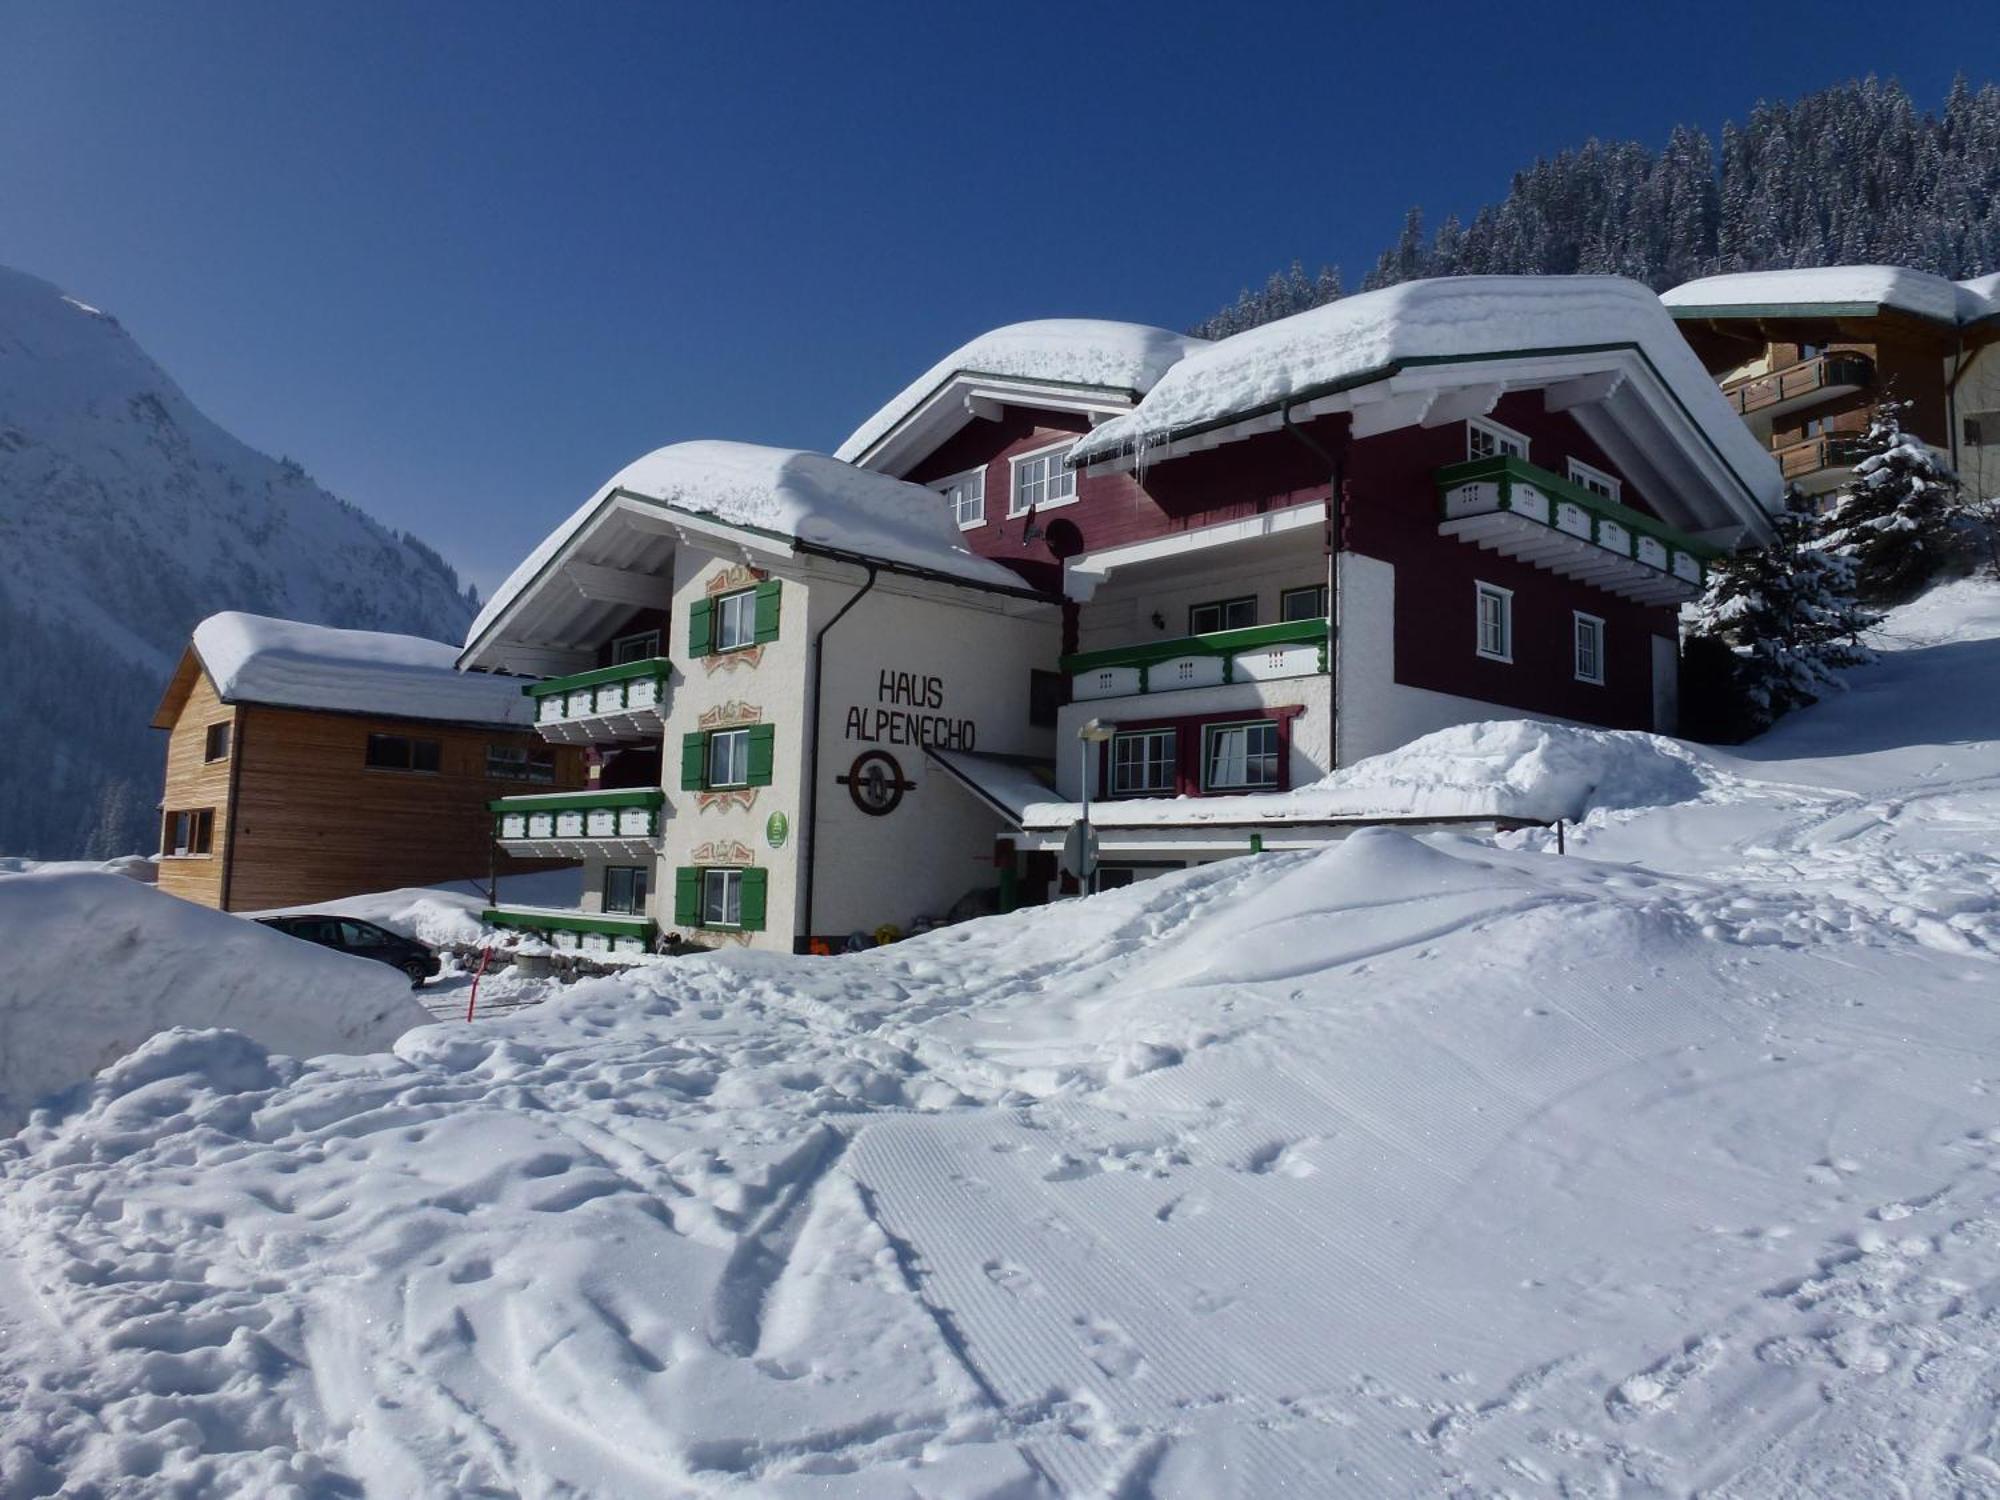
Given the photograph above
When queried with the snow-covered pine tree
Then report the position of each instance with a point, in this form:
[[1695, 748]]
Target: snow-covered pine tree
[[1787, 614], [1893, 519]]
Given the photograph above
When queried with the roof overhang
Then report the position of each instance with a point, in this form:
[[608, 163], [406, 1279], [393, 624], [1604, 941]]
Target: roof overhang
[[967, 396], [1613, 391], [1832, 322]]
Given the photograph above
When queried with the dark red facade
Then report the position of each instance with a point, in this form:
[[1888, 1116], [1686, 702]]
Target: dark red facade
[[1391, 512]]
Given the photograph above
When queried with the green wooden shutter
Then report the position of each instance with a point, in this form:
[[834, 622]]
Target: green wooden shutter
[[694, 761], [755, 883], [687, 897], [767, 611], [701, 627], [762, 740]]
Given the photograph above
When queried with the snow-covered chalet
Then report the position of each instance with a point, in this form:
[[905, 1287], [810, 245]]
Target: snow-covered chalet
[[838, 696]]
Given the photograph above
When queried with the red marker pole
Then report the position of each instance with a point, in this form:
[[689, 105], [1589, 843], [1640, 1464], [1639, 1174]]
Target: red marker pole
[[473, 999]]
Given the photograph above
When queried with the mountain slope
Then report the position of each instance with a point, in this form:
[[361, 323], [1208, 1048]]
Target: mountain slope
[[125, 517]]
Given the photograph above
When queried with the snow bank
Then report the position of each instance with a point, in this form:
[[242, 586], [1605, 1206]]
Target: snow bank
[[256, 659], [141, 867], [1917, 292], [1502, 768], [1071, 351], [95, 963], [785, 491], [1451, 317]]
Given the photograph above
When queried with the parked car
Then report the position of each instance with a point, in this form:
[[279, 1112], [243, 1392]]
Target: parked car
[[363, 940]]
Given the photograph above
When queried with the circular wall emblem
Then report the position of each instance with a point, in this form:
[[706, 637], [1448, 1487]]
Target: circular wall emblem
[[875, 782], [777, 828]]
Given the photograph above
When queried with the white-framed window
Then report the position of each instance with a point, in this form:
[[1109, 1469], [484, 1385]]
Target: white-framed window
[[1589, 648], [1595, 480], [641, 645], [722, 898], [625, 889], [1496, 622], [1222, 614], [1303, 604], [1488, 439], [966, 495], [736, 620], [1040, 480], [729, 757], [1240, 757], [1143, 763]]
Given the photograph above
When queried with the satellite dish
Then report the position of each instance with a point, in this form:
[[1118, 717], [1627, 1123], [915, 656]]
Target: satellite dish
[[1079, 852]]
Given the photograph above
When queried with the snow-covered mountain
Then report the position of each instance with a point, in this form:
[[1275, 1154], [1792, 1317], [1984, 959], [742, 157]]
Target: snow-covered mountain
[[125, 517]]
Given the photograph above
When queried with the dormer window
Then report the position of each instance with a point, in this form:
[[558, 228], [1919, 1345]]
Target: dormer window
[[1486, 439], [1595, 480], [1041, 481]]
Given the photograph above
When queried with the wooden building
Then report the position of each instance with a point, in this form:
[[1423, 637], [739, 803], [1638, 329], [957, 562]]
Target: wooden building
[[1806, 358], [306, 764]]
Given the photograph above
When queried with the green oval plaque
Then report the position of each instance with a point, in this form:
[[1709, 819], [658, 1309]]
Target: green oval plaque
[[777, 828]]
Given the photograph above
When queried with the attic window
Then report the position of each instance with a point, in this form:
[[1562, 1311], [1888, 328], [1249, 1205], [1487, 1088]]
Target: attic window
[[966, 495], [1040, 480], [1484, 439], [216, 746]]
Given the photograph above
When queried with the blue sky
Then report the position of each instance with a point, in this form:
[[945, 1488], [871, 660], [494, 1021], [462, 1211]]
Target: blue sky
[[464, 261]]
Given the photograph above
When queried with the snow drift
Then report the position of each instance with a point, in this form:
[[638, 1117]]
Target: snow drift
[[96, 963]]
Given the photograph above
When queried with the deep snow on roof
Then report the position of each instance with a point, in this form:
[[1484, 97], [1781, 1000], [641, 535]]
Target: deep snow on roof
[[256, 659], [1071, 351], [787, 491], [1917, 292], [1444, 318]]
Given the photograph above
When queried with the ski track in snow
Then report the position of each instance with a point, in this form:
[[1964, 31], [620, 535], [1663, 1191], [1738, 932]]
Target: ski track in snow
[[1414, 1167]]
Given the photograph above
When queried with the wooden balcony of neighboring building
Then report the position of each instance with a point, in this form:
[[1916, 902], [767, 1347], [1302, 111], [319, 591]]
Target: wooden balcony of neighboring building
[[1820, 463], [607, 706], [1804, 384], [619, 824]]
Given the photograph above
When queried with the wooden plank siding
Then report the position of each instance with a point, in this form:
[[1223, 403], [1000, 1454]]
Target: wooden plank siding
[[312, 821], [194, 783]]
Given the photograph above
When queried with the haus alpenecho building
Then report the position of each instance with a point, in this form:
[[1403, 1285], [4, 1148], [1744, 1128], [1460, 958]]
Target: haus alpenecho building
[[831, 698]]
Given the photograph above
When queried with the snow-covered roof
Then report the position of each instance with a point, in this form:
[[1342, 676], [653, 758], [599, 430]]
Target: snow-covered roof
[[783, 492], [1066, 351], [1465, 317], [1831, 288], [256, 659]]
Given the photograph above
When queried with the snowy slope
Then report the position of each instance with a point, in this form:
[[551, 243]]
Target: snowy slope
[[96, 963], [125, 517], [1413, 1167]]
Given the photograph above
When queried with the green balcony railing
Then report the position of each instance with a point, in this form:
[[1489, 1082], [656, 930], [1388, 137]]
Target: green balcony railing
[[572, 817], [631, 688], [1293, 648]]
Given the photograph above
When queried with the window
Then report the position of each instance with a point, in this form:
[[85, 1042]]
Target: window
[[625, 890], [1303, 604], [1810, 351], [1589, 648], [713, 758], [729, 758], [216, 746], [736, 620], [1485, 439], [1496, 622], [189, 834], [398, 752], [534, 763], [966, 495], [1144, 763], [1240, 757], [722, 898], [1225, 614], [1595, 480], [642, 645], [362, 935], [1047, 693], [1041, 480]]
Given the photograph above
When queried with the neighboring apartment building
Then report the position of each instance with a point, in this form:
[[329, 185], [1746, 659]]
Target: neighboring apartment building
[[1197, 575], [305, 764], [1320, 539], [1805, 357]]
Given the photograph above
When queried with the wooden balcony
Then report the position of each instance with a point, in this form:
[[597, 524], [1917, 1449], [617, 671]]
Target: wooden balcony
[[1798, 386], [1820, 462], [607, 706], [1507, 505], [1257, 653], [607, 933], [620, 824]]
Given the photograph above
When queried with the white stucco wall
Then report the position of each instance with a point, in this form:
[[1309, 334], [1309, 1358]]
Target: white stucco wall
[[915, 660]]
